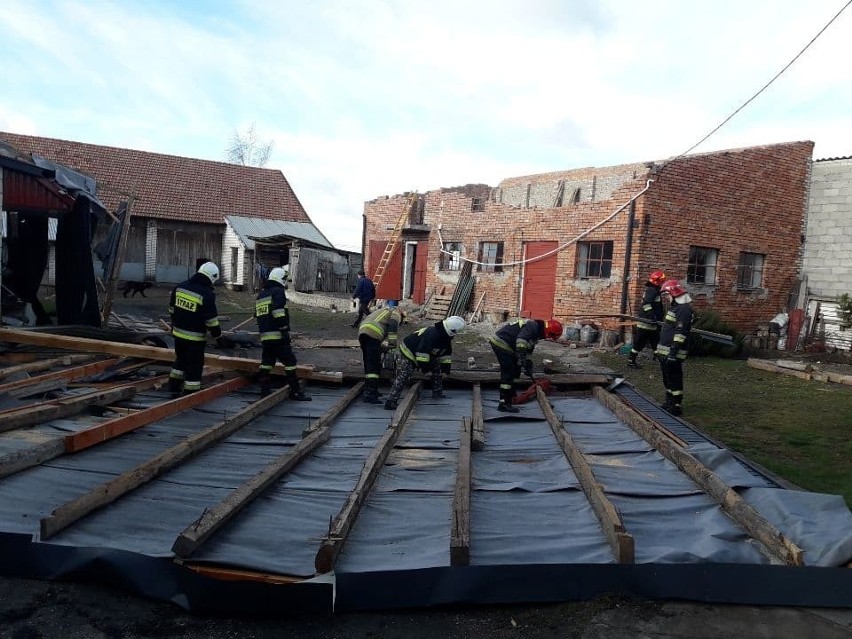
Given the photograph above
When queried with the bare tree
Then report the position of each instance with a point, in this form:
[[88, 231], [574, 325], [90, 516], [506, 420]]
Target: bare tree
[[247, 149]]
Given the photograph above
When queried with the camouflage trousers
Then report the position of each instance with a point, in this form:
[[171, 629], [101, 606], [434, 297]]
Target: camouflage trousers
[[404, 371]]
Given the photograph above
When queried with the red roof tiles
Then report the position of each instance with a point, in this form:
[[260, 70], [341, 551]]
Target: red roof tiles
[[172, 187]]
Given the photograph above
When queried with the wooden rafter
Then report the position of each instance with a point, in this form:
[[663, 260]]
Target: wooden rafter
[[460, 527], [477, 424]]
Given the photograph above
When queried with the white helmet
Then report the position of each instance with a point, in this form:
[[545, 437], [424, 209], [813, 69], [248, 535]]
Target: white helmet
[[453, 325], [210, 270], [279, 275]]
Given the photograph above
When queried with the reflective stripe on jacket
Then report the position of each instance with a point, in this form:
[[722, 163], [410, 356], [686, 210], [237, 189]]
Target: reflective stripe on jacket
[[675, 331], [652, 308], [382, 324], [270, 309], [192, 307]]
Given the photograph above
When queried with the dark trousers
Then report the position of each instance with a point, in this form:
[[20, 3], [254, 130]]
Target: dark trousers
[[643, 338], [363, 310], [371, 350], [278, 350], [672, 371], [509, 370], [188, 365], [405, 369]]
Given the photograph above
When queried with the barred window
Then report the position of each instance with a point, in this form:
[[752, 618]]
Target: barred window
[[701, 268], [491, 257], [594, 259], [750, 270], [451, 259]]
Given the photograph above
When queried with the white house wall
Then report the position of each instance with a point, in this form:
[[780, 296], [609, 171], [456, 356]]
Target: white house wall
[[231, 241]]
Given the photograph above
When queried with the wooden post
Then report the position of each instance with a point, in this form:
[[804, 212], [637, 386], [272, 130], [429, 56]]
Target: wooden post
[[745, 515], [476, 423], [106, 493], [117, 264], [460, 530], [619, 539], [340, 526]]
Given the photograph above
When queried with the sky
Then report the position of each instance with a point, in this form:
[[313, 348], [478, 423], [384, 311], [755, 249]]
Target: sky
[[365, 98]]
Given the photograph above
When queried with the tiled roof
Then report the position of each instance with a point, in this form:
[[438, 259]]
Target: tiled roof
[[172, 187]]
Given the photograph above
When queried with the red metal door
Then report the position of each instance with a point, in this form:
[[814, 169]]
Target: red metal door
[[419, 293], [539, 281], [390, 288]]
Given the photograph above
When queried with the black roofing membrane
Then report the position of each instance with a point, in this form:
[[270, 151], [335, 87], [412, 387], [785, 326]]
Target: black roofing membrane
[[533, 535]]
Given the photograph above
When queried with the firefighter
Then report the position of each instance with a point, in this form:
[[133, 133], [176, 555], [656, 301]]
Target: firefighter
[[377, 327], [430, 349], [672, 348], [513, 344], [648, 333], [273, 323], [192, 308]]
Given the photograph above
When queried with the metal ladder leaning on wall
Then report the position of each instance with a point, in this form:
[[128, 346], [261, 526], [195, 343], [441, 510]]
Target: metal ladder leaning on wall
[[392, 241]]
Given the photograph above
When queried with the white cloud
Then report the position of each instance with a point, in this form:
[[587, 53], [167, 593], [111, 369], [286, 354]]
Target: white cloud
[[377, 97]]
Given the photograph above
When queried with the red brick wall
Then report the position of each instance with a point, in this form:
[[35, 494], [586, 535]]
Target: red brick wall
[[746, 200]]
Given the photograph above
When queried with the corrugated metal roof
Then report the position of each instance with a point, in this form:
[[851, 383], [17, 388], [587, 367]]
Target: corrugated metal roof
[[250, 227], [842, 157]]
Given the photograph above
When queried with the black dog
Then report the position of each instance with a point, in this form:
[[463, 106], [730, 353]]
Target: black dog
[[136, 287]]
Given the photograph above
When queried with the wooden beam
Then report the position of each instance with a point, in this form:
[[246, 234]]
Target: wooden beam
[[152, 352], [339, 529], [67, 373], [476, 422], [112, 276], [43, 365], [106, 493], [212, 519], [634, 418], [774, 368], [460, 527], [562, 379], [89, 437], [19, 460], [745, 515], [616, 534], [38, 413]]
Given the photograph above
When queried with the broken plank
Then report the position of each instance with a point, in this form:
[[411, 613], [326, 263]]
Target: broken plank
[[460, 527], [89, 437], [152, 352], [212, 519], [621, 542], [726, 497], [326, 343], [19, 460], [43, 365], [67, 373], [32, 415], [339, 529], [106, 493], [774, 368], [477, 424], [234, 574]]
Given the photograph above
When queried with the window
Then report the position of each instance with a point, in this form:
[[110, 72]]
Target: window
[[451, 262], [491, 256], [750, 270], [478, 204], [701, 268], [594, 259]]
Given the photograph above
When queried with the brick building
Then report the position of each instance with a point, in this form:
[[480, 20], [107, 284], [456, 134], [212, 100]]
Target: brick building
[[730, 224]]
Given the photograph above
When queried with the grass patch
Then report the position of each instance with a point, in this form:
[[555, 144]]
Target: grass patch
[[795, 428]]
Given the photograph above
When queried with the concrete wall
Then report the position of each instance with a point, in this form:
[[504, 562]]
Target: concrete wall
[[827, 255]]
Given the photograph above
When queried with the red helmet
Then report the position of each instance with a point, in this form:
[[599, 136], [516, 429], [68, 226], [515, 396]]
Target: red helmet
[[657, 278], [552, 329], [673, 288]]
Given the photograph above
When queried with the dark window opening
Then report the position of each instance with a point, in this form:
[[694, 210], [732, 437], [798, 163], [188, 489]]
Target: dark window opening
[[594, 259]]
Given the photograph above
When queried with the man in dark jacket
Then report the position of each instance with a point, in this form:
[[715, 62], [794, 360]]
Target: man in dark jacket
[[365, 293], [648, 333], [674, 341], [513, 344], [429, 349], [375, 329], [192, 308], [273, 323]]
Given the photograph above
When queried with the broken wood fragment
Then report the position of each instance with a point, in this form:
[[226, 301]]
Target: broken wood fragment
[[43, 365], [76, 372]]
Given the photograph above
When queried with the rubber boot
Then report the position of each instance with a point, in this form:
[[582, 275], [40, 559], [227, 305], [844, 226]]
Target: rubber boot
[[391, 404], [296, 393], [175, 386], [371, 392], [631, 360], [265, 385], [505, 404]]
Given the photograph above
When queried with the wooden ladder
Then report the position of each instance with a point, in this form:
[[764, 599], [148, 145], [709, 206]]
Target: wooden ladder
[[392, 241]]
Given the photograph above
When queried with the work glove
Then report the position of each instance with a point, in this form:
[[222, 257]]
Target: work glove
[[528, 367]]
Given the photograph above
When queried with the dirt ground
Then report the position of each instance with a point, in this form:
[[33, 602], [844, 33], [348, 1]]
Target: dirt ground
[[54, 610]]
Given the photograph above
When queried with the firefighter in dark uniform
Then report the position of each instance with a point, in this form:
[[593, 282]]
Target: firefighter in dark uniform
[[273, 323], [648, 333], [513, 344], [377, 327], [674, 341], [429, 349], [192, 308]]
